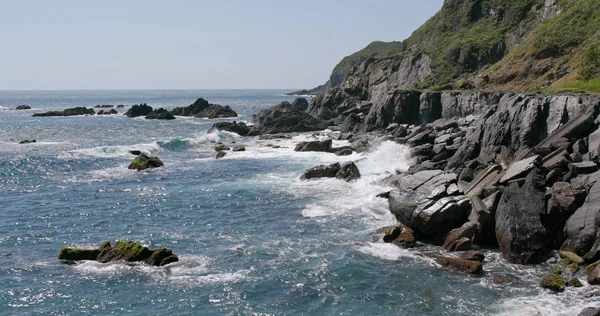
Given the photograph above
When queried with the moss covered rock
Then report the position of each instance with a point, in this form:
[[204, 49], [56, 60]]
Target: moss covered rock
[[122, 251], [574, 282], [239, 148], [220, 154], [74, 254], [221, 147], [143, 162], [553, 281], [570, 257]]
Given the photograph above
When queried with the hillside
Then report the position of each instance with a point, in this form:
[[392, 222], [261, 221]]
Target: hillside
[[519, 45]]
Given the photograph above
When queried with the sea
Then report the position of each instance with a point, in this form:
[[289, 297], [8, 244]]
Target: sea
[[252, 237]]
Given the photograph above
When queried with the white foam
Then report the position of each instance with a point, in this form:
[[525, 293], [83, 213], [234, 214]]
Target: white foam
[[387, 251]]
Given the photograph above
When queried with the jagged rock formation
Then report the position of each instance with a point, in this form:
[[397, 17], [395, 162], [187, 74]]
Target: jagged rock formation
[[286, 118], [201, 108], [143, 162], [139, 110]]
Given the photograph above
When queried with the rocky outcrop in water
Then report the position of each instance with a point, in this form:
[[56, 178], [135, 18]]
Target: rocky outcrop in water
[[143, 162], [139, 110], [23, 107], [68, 112], [239, 128], [128, 251], [109, 112], [27, 141], [347, 172], [160, 114], [286, 118], [201, 108]]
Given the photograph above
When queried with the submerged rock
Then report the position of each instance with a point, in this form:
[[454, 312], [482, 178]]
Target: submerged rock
[[122, 251], [222, 147], [68, 112], [112, 111], [143, 162], [27, 141], [23, 107], [139, 110]]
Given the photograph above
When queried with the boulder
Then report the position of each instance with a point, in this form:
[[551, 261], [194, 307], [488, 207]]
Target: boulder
[[520, 168], [321, 171], [160, 114], [122, 251], [585, 167], [234, 127], [104, 106], [27, 141], [574, 282], [222, 147], [68, 112], [400, 235], [593, 276], [590, 311], [581, 230], [201, 108], [143, 162], [323, 146], [23, 107], [569, 257], [553, 281], [348, 172], [285, 118], [455, 240], [520, 233], [342, 151], [501, 278], [466, 266], [239, 148], [470, 255], [139, 110], [220, 154], [135, 152], [112, 111]]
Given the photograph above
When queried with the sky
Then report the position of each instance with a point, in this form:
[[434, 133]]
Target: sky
[[177, 44]]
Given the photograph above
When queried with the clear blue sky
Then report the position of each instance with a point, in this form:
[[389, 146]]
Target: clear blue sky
[[191, 44]]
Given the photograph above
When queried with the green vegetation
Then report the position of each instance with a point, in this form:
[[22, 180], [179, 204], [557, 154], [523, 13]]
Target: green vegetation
[[553, 281], [590, 63], [577, 86], [572, 27]]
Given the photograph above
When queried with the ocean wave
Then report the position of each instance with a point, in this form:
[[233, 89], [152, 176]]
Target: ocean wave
[[174, 144]]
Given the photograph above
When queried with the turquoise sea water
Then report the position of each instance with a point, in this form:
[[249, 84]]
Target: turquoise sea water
[[252, 237]]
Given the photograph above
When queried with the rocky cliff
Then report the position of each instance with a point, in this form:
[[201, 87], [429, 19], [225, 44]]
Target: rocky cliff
[[519, 45]]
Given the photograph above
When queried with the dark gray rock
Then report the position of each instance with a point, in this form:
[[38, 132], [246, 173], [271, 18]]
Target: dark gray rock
[[582, 228], [27, 141], [139, 110], [160, 114], [285, 118], [202, 108], [348, 172], [239, 128], [68, 112], [220, 154], [520, 233], [143, 162], [454, 240], [322, 146], [585, 167], [322, 171], [590, 311], [23, 107]]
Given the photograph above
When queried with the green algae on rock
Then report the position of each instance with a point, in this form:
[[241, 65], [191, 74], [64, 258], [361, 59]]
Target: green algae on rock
[[143, 162], [129, 251], [553, 281]]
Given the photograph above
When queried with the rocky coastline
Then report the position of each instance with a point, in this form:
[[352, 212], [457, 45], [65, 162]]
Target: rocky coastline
[[507, 171]]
